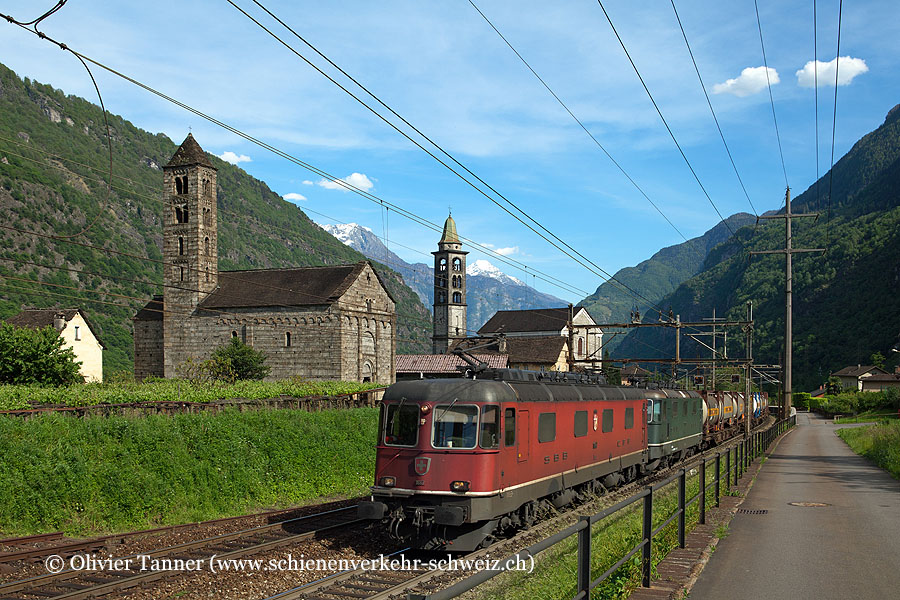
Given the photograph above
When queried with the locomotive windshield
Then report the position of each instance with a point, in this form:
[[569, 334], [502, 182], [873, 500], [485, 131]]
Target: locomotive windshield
[[455, 426], [402, 425]]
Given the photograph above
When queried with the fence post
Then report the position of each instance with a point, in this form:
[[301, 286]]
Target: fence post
[[718, 475], [728, 469], [584, 558], [703, 492], [648, 538], [681, 509]]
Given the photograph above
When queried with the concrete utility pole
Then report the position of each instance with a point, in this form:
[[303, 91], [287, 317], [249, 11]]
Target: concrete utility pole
[[570, 325], [788, 252], [748, 329]]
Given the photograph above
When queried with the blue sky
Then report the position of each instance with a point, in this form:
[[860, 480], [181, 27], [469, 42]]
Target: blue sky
[[445, 70]]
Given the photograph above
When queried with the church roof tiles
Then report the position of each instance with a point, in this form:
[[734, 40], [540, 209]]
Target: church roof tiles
[[190, 153]]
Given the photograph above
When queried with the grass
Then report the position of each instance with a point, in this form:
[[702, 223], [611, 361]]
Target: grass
[[868, 416], [101, 474], [22, 397], [878, 443], [556, 570]]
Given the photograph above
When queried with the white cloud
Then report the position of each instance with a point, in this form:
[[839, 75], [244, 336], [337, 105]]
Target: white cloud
[[508, 251], [752, 80], [307, 182], [848, 68], [230, 157], [294, 196], [357, 180]]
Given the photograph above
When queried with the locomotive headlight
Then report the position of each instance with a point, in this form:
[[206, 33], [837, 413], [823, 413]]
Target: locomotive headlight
[[425, 409], [459, 486], [388, 481]]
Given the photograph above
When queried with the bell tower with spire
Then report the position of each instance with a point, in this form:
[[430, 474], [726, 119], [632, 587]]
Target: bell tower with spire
[[190, 247], [449, 290]]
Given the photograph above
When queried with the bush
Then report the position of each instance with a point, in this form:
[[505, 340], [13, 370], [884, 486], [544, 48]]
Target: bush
[[237, 361], [36, 356]]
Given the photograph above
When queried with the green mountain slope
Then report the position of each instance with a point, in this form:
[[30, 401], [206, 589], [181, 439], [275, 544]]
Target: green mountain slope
[[657, 276], [53, 168], [846, 303]]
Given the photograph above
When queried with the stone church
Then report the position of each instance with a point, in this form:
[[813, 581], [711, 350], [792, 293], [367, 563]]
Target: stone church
[[315, 322]]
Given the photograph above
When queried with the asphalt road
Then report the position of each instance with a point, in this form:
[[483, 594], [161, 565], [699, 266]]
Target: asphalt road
[[849, 549]]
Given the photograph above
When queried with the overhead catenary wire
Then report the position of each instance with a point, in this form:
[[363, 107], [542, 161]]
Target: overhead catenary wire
[[666, 124], [308, 166], [581, 259], [337, 181], [577, 120], [771, 98], [712, 110], [497, 256]]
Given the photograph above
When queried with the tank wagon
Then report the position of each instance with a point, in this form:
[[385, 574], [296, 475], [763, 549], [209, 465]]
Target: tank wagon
[[461, 461]]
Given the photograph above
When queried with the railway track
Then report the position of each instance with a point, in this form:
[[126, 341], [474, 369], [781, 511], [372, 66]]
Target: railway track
[[371, 584], [33, 548], [139, 569]]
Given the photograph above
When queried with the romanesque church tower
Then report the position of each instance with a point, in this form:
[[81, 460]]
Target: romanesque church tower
[[190, 248], [449, 290]]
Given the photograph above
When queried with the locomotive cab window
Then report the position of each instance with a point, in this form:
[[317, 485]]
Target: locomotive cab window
[[509, 426], [490, 427], [401, 425], [650, 405], [581, 423], [607, 420], [455, 426], [546, 427], [657, 411], [629, 418]]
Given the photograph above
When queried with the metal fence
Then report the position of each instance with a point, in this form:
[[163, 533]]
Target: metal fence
[[736, 459]]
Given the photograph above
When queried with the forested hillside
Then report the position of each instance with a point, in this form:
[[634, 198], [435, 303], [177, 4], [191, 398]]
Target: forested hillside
[[846, 302], [64, 244]]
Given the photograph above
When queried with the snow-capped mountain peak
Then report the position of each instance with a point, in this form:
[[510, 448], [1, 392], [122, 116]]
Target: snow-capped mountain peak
[[487, 269], [345, 232]]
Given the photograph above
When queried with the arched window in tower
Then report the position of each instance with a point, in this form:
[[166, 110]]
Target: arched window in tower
[[179, 216], [457, 264], [580, 346], [181, 270], [287, 339], [206, 246], [207, 217], [184, 185], [234, 334], [208, 267], [442, 265], [207, 187], [178, 189], [457, 297], [181, 246], [441, 297]]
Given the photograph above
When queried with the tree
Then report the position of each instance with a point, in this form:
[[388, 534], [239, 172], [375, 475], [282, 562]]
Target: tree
[[834, 386], [36, 356], [237, 360], [877, 359]]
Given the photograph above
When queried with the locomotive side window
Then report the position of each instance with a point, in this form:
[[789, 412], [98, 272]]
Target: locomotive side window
[[546, 427], [490, 430], [650, 411], [454, 426], [684, 412], [629, 418], [509, 426], [607, 420], [580, 423], [657, 411], [402, 425]]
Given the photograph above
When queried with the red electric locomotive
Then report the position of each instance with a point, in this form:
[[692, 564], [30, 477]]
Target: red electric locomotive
[[462, 460]]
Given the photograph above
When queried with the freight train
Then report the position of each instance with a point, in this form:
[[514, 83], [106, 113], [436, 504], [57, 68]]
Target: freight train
[[462, 461]]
